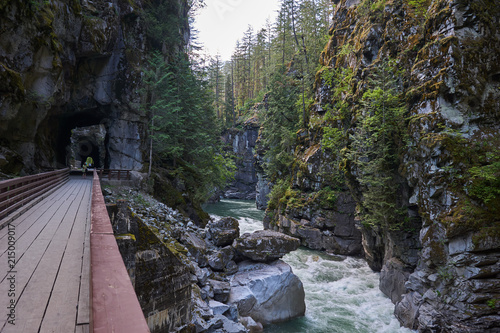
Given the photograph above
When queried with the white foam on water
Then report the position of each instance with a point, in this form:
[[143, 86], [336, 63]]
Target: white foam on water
[[342, 296]]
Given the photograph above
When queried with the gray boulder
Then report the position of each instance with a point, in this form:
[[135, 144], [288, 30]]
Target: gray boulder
[[251, 325], [229, 311], [220, 323], [196, 246], [218, 260], [265, 245], [221, 290], [269, 293], [224, 231], [202, 275]]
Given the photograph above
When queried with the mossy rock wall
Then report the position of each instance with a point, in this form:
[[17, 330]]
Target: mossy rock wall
[[161, 279], [440, 262], [67, 64]]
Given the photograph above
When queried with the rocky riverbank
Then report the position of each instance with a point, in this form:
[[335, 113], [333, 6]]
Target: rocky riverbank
[[234, 285]]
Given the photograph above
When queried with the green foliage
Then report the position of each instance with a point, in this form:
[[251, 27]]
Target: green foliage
[[334, 137], [338, 79], [289, 198], [375, 146], [474, 172], [280, 124], [277, 192], [327, 196], [492, 303], [485, 182], [378, 5], [371, 7], [183, 127], [445, 273], [419, 6], [295, 40], [345, 50], [36, 5], [165, 24], [139, 199]]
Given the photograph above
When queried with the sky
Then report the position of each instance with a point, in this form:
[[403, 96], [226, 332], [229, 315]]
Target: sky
[[222, 22]]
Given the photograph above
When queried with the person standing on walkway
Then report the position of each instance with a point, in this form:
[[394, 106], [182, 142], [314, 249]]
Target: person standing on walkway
[[88, 163]]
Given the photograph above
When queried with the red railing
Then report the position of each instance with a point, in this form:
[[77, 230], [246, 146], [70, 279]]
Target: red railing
[[114, 174], [114, 306], [18, 192]]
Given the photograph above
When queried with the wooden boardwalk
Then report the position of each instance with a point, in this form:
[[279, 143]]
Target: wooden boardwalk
[[49, 284]]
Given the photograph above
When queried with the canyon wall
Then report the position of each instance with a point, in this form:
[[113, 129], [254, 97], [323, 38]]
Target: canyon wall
[[422, 186], [242, 142], [250, 181]]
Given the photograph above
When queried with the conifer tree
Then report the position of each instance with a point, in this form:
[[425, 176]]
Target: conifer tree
[[375, 146], [184, 132], [280, 123]]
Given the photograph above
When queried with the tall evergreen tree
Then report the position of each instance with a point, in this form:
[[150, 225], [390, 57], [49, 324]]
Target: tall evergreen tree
[[375, 146], [184, 132], [280, 123]]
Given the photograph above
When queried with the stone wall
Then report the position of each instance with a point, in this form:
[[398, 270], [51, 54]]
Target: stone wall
[[161, 280]]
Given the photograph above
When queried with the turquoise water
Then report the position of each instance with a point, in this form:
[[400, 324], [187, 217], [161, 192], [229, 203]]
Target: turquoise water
[[341, 295]]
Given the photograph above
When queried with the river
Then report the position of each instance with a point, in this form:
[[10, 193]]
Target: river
[[342, 294]]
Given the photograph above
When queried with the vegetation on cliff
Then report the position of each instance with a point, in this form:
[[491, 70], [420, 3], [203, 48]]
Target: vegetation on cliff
[[184, 135], [403, 113]]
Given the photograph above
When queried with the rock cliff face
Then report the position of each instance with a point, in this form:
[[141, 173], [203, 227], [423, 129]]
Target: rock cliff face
[[68, 64], [243, 141], [323, 218], [440, 260], [161, 279]]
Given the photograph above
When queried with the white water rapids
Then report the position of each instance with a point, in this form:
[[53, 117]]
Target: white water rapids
[[342, 296]]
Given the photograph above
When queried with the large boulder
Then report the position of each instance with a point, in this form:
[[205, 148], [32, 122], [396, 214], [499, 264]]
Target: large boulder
[[220, 259], [196, 246], [224, 231], [221, 290], [265, 245], [269, 293]]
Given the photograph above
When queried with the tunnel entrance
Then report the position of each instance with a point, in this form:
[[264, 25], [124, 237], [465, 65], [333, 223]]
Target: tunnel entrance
[[80, 134], [89, 141]]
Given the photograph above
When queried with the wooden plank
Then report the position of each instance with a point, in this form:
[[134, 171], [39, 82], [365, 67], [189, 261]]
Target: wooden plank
[[32, 257], [83, 315], [26, 179], [28, 195], [33, 300], [82, 328], [61, 313], [29, 225], [12, 216], [46, 222], [28, 190], [37, 183]]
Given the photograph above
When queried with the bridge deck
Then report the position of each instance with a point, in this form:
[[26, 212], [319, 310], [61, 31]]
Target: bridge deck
[[49, 284]]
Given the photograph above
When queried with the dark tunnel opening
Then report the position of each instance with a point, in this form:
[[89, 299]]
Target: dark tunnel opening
[[87, 146]]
